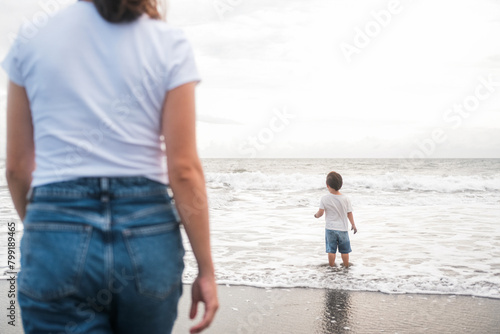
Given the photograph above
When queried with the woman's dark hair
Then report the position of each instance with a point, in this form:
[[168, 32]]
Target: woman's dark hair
[[334, 180], [116, 11]]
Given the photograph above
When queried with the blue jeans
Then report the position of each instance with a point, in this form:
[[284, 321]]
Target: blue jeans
[[340, 239], [100, 255]]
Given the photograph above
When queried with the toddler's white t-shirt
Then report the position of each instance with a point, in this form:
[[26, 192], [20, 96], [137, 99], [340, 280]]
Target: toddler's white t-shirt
[[96, 92], [336, 208]]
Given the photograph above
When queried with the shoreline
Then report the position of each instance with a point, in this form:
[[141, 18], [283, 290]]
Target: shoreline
[[420, 293], [246, 309], [244, 285]]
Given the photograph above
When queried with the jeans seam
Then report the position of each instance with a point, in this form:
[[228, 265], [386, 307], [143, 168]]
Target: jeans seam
[[56, 226], [60, 193], [139, 193], [83, 255], [36, 193], [146, 230], [54, 208], [134, 262], [144, 212]]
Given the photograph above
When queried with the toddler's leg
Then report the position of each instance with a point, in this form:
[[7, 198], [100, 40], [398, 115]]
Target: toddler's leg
[[331, 259], [345, 259]]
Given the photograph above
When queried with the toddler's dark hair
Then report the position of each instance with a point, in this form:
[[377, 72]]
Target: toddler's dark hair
[[334, 180]]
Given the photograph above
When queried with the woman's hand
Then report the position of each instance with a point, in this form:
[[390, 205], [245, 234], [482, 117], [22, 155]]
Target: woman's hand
[[204, 290]]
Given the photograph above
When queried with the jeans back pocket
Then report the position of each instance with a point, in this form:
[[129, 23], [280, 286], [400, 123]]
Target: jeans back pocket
[[156, 253], [52, 259]]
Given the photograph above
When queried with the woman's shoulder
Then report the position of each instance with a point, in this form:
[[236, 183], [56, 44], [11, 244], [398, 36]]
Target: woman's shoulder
[[162, 32], [160, 26]]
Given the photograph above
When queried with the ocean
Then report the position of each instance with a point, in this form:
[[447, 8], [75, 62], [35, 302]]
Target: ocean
[[424, 226]]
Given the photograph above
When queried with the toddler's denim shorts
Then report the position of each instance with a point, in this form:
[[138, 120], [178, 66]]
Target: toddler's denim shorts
[[100, 255], [340, 239]]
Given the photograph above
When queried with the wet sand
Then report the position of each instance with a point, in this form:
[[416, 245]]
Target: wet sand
[[306, 311], [254, 310]]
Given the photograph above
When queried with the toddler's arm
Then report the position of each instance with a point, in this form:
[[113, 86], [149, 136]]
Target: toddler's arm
[[351, 219], [319, 213]]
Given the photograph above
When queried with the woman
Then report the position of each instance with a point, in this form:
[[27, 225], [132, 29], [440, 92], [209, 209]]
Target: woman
[[93, 97]]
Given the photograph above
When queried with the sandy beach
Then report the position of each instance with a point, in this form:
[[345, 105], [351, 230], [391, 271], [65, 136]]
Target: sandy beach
[[320, 311], [296, 311]]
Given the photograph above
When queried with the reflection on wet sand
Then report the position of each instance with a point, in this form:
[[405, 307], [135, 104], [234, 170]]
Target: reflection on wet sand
[[337, 314]]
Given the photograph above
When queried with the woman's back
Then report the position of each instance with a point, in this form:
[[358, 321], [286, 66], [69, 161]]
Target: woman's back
[[90, 99], [96, 92]]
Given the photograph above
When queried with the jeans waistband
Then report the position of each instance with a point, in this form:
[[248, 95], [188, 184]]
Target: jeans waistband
[[99, 187]]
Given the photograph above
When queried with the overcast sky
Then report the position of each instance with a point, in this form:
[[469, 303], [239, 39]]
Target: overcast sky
[[326, 78]]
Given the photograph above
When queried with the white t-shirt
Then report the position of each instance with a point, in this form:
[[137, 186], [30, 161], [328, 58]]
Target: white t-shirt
[[96, 92], [336, 208]]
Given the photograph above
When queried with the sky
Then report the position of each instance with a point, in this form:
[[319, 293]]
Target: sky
[[334, 78]]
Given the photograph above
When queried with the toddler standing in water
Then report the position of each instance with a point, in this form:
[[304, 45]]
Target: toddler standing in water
[[338, 211]]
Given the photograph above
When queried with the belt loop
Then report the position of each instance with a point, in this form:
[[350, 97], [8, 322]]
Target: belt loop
[[104, 189], [104, 184], [29, 195]]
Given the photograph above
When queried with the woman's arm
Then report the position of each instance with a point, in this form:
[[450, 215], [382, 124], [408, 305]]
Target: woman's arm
[[188, 184], [20, 147]]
